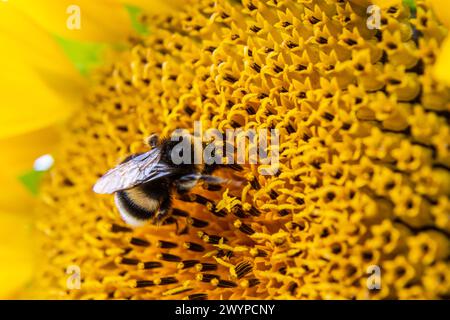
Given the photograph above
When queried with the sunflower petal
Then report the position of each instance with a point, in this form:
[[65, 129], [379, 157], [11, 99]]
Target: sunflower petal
[[16, 265], [14, 197], [27, 102], [84, 55], [100, 20], [442, 67], [156, 6], [30, 86], [23, 150], [442, 10], [134, 13]]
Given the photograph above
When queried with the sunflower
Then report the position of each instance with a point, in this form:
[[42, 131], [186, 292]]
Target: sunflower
[[43, 65], [364, 159]]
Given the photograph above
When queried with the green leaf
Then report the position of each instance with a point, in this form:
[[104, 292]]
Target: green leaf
[[84, 55], [32, 180], [411, 4], [134, 13]]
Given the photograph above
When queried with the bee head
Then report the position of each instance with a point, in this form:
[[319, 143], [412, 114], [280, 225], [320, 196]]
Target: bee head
[[153, 140]]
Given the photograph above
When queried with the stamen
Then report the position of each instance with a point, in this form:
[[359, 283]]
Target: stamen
[[166, 244], [206, 277], [168, 257], [242, 269], [116, 228], [149, 265], [143, 283], [165, 281], [128, 261], [179, 213], [223, 283], [139, 242], [198, 296], [245, 228], [239, 212], [258, 252], [213, 239], [249, 283], [206, 266], [194, 246], [185, 264], [176, 291], [212, 208], [197, 223]]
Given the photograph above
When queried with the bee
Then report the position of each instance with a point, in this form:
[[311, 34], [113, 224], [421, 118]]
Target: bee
[[143, 183]]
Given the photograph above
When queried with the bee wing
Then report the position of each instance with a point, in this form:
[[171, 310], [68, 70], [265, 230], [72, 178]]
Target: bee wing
[[137, 170]]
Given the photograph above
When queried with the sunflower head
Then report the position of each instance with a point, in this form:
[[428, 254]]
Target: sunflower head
[[359, 207]]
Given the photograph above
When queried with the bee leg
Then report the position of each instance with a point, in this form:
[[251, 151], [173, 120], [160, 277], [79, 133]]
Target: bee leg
[[210, 168], [179, 231], [212, 179], [163, 210], [182, 188], [234, 166], [185, 230], [186, 183], [212, 187], [204, 177]]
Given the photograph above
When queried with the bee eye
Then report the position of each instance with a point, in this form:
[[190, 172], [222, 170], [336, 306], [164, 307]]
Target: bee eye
[[153, 140]]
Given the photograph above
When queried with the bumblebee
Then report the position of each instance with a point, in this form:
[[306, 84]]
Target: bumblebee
[[143, 183]]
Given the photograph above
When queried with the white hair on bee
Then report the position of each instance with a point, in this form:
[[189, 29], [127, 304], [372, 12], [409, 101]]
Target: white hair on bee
[[126, 215], [143, 183]]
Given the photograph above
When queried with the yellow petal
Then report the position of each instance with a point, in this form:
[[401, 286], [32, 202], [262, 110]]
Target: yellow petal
[[442, 10], [14, 197], [381, 3], [39, 86], [100, 20], [21, 152], [387, 3], [22, 38], [16, 259], [156, 6], [27, 101], [442, 67]]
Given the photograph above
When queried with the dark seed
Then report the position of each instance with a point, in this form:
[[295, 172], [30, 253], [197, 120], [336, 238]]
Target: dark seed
[[166, 244], [207, 277], [179, 213], [206, 266], [253, 282], [192, 246], [139, 242], [129, 261], [255, 29], [166, 280], [152, 264], [169, 257], [226, 284], [116, 228], [328, 116], [144, 283], [198, 296], [243, 268], [197, 223], [185, 264]]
